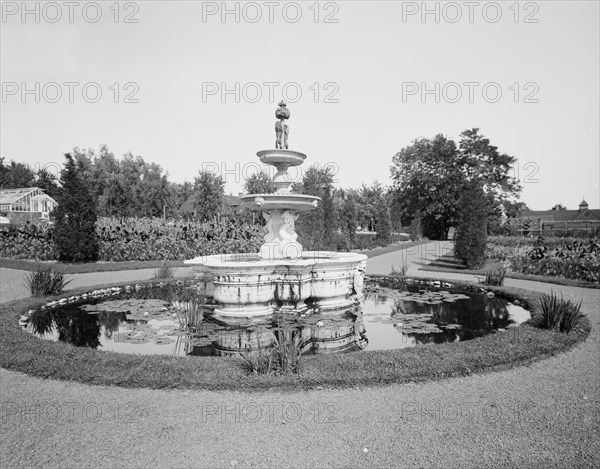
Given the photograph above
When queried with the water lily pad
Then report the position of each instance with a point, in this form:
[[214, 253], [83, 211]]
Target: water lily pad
[[163, 340]]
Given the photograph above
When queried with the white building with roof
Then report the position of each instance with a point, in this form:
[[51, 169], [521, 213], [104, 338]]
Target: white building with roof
[[26, 203]]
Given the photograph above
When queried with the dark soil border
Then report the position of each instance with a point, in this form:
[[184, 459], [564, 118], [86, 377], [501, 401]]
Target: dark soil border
[[22, 352]]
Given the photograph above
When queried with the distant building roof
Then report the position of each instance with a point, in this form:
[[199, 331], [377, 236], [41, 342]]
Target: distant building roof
[[10, 196], [561, 215]]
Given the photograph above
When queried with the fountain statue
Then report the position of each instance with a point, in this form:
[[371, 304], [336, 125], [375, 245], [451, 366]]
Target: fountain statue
[[281, 276]]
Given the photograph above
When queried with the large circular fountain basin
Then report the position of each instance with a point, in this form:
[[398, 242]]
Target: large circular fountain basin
[[246, 285]]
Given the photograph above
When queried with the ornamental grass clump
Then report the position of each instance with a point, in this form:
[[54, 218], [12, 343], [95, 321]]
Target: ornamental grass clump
[[559, 314], [282, 358], [495, 277], [44, 281], [164, 271], [400, 271]]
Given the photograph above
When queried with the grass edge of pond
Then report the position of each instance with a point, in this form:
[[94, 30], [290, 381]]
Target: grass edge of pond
[[23, 352]]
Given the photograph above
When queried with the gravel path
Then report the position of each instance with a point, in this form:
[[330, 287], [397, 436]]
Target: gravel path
[[543, 415]]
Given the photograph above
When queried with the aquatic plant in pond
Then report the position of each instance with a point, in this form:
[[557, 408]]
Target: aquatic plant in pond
[[283, 357]]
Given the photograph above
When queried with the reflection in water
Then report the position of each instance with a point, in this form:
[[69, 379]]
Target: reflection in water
[[177, 320]]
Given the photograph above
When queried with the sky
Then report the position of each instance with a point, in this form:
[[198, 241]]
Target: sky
[[194, 85]]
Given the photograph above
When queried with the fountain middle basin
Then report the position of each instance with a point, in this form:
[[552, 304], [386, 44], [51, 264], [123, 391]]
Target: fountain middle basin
[[244, 285]]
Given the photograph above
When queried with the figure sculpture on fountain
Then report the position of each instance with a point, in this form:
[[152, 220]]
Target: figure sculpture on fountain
[[281, 128]]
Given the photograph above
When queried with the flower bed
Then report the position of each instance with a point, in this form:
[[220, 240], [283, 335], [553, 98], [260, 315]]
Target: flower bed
[[569, 257]]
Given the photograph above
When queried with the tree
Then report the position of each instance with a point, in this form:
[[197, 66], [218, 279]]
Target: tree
[[471, 231], [374, 210], [485, 163], [47, 181], [179, 194], [430, 175], [208, 195], [559, 207], [512, 209], [259, 183], [316, 229], [348, 216], [15, 175], [153, 192], [427, 180], [75, 217]]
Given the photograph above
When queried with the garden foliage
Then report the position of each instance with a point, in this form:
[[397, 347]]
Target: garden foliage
[[577, 259], [140, 239]]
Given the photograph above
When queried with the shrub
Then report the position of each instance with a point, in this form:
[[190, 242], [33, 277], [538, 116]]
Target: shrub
[[44, 281], [164, 271], [471, 230], [562, 315], [27, 241]]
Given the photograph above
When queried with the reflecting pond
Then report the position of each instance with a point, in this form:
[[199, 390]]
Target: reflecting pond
[[177, 319]]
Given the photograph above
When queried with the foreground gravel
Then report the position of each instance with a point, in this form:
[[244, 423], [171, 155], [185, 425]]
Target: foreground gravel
[[543, 415]]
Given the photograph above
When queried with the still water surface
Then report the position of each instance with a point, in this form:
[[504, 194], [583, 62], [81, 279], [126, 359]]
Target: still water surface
[[177, 320]]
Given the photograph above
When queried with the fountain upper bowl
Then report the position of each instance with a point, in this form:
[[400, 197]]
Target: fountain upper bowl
[[281, 157]]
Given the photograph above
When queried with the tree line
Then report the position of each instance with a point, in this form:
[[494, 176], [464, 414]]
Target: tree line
[[436, 184]]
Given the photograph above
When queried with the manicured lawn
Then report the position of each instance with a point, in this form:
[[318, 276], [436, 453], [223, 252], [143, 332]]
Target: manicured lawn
[[22, 264], [21, 351]]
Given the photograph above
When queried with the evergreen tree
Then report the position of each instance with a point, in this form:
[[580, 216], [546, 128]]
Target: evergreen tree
[[471, 230], [349, 217], [75, 217], [383, 222]]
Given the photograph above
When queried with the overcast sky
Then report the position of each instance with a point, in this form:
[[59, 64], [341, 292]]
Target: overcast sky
[[189, 85]]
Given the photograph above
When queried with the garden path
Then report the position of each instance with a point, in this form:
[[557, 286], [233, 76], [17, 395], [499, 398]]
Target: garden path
[[543, 415]]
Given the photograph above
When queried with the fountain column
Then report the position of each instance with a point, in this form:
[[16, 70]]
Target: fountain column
[[281, 208]]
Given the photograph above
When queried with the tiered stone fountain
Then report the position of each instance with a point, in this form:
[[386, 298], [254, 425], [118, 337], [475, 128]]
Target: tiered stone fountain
[[281, 276]]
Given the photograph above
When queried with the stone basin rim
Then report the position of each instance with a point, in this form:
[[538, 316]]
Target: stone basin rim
[[308, 259], [282, 157], [280, 201]]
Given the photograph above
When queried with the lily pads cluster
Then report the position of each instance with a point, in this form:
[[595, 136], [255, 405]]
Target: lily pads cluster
[[430, 297], [417, 323], [134, 309]]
